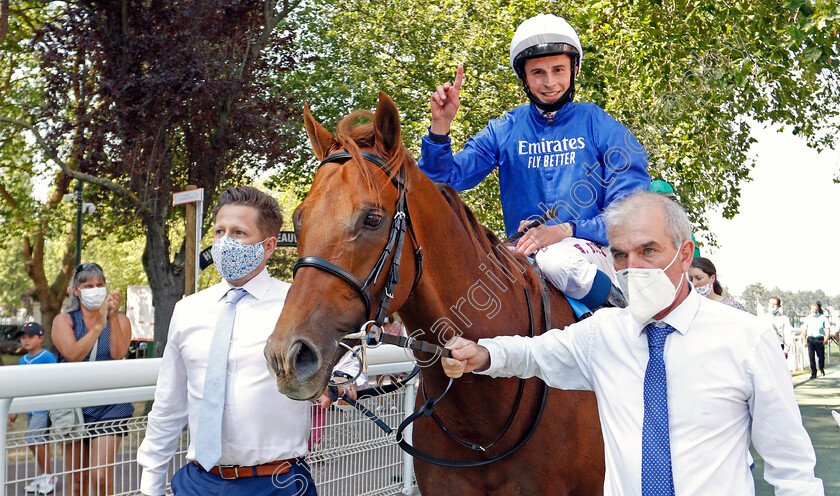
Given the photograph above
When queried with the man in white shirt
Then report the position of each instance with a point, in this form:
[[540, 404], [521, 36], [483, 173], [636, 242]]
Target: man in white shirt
[[780, 323], [263, 433], [727, 384], [815, 334]]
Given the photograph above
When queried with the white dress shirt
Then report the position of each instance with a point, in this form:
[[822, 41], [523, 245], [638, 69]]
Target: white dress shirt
[[259, 424], [781, 325], [727, 386]]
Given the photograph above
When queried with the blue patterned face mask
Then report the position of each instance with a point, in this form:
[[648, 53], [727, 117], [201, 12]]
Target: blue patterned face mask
[[234, 260]]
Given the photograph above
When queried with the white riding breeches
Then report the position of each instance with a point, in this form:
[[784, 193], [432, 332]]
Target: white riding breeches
[[570, 265]]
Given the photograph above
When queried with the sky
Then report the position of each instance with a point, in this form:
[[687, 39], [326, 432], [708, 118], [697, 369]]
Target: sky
[[788, 228]]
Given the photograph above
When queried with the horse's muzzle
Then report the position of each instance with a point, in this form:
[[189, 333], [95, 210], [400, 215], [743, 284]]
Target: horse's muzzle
[[296, 369]]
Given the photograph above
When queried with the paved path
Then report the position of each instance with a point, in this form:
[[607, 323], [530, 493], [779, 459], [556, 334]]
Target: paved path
[[816, 398]]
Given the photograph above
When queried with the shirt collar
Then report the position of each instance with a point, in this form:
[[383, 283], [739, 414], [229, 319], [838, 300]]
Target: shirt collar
[[679, 318], [539, 114], [256, 287]]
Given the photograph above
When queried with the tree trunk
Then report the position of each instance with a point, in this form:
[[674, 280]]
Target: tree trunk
[[165, 279], [52, 295]]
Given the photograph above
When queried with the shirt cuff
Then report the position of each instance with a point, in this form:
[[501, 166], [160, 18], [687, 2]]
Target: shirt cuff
[[438, 138], [497, 357], [153, 484]]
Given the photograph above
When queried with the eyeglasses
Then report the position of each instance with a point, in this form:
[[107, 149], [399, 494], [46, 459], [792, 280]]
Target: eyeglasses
[[86, 266]]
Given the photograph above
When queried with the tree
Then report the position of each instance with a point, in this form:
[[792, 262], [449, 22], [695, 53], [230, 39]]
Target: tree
[[30, 220], [145, 97], [685, 77], [754, 296]]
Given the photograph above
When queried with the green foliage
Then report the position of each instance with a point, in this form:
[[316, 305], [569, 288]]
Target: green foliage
[[685, 77]]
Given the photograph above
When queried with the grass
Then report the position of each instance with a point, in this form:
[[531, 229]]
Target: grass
[[10, 359]]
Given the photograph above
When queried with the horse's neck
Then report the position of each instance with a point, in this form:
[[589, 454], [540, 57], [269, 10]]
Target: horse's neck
[[464, 288]]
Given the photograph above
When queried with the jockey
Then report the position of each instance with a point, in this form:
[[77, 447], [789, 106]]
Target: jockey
[[553, 155]]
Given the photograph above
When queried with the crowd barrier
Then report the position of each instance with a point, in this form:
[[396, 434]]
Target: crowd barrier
[[348, 455]]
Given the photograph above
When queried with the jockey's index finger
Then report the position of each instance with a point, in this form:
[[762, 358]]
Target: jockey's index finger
[[459, 77]]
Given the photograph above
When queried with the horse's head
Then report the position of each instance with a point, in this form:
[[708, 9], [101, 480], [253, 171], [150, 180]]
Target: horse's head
[[343, 228]]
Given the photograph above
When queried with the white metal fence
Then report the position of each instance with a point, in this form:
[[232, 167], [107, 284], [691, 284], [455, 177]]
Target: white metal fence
[[349, 454]]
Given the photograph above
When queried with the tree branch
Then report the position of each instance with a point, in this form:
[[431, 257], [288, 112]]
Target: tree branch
[[4, 20], [82, 176]]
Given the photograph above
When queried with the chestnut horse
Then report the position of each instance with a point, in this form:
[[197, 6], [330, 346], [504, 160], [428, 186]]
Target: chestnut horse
[[470, 284]]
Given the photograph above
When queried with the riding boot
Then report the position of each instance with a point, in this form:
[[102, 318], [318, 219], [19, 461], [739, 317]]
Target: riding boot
[[615, 300]]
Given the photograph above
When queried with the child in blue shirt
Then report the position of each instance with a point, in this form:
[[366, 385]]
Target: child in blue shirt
[[37, 423]]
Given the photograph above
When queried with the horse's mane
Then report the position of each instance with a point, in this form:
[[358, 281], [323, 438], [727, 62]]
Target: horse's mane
[[484, 240], [354, 132]]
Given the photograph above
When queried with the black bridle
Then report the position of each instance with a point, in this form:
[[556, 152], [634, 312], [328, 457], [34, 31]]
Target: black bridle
[[396, 237]]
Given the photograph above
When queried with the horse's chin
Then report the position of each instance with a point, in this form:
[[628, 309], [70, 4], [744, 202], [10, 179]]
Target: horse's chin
[[302, 391]]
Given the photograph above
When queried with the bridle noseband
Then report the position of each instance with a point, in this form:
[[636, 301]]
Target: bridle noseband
[[396, 237]]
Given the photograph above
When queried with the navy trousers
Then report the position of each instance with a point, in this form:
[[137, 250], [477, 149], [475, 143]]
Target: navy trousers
[[816, 347], [192, 480]]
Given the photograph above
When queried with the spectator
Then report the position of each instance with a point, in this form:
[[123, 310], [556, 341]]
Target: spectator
[[245, 437], [815, 332], [37, 423], [93, 330], [780, 323], [703, 276], [684, 386]]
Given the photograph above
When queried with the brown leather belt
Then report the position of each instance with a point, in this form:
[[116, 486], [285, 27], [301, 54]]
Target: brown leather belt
[[240, 472]]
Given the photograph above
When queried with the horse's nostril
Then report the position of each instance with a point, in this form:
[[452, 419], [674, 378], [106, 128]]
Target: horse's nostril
[[271, 359], [307, 362]]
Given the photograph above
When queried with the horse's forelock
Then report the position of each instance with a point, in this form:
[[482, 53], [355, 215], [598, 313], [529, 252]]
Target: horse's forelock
[[356, 131]]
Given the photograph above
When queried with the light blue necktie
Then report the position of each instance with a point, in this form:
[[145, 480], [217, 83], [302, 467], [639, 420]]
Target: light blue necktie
[[657, 477], [208, 445]]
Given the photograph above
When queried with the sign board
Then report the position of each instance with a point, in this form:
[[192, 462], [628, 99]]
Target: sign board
[[188, 196], [286, 238], [205, 259], [140, 312]]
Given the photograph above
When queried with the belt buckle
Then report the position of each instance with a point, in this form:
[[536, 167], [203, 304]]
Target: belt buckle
[[235, 469]]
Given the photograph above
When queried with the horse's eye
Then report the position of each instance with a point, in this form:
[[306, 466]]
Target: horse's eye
[[373, 220]]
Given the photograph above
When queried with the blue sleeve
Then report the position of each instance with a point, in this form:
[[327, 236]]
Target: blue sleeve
[[622, 170], [463, 170]]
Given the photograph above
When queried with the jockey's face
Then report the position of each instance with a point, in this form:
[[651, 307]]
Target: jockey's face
[[548, 78]]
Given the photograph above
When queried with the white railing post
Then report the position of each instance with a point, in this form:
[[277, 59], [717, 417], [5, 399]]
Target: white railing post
[[408, 461], [5, 403]]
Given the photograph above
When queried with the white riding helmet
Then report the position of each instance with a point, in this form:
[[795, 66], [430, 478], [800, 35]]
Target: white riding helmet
[[543, 35]]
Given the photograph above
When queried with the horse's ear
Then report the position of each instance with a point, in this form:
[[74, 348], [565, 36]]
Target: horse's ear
[[321, 139], [386, 122]]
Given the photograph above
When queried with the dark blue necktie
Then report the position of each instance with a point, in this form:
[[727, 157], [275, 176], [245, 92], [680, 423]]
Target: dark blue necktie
[[657, 478]]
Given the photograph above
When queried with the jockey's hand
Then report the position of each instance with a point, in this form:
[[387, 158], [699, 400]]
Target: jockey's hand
[[466, 356], [540, 237], [325, 401], [445, 102]]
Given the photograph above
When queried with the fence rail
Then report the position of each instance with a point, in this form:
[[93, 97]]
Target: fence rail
[[348, 454]]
